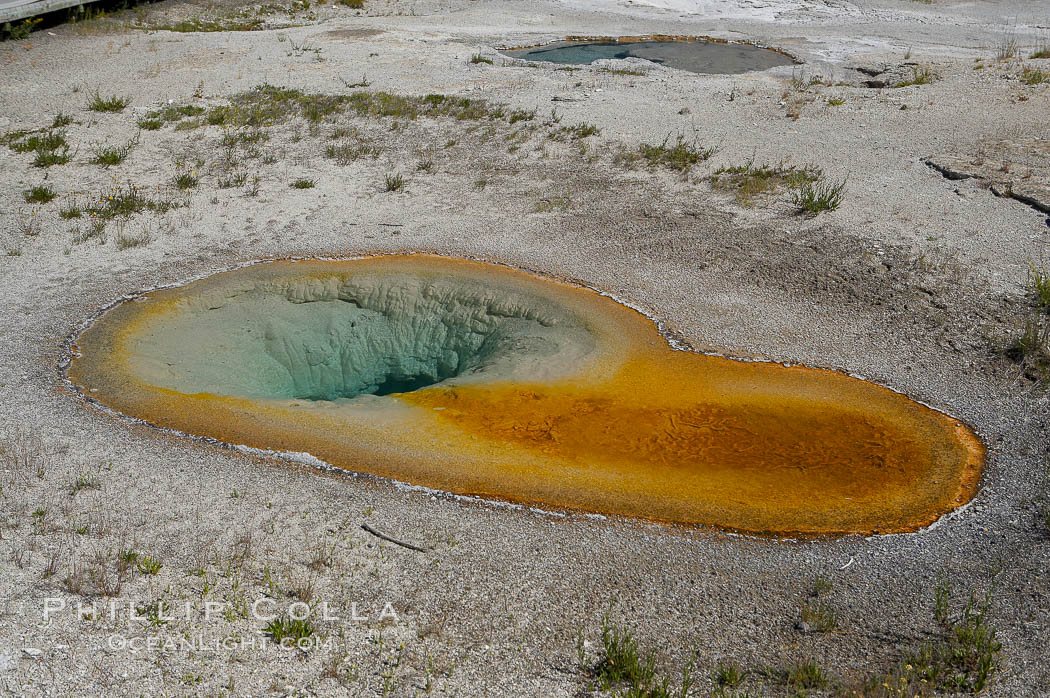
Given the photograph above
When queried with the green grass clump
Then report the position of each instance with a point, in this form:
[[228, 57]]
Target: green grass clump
[[61, 120], [266, 105], [920, 76], [394, 183], [185, 180], [680, 156], [352, 4], [148, 565], [818, 196], [806, 675], [39, 194], [750, 181], [150, 124], [478, 58], [581, 130], [819, 616], [728, 675], [125, 201], [1033, 76], [71, 211], [293, 629], [303, 183], [961, 659], [621, 667], [1041, 52], [110, 155], [50, 146], [173, 112], [188, 26], [112, 104]]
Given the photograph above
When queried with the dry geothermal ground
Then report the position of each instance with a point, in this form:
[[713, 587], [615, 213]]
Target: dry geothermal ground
[[926, 283]]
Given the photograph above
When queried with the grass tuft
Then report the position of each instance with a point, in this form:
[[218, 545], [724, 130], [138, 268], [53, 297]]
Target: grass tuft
[[394, 183], [1033, 76], [750, 181], [39, 194], [112, 104], [185, 180], [281, 629], [818, 196], [303, 183], [478, 58], [921, 75], [110, 155], [681, 155]]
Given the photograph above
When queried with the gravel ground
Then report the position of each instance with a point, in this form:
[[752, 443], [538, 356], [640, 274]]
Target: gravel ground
[[914, 282]]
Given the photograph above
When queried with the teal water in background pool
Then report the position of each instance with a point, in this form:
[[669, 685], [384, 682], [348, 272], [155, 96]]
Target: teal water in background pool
[[696, 56]]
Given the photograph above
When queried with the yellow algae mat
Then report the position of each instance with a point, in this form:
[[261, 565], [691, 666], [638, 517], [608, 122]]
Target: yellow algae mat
[[478, 379]]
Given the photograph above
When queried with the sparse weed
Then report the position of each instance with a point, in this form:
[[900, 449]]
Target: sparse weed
[[806, 675], [818, 196], [478, 58], [61, 120], [108, 104], [819, 616], [1033, 76], [84, 481], [303, 183], [150, 124], [394, 183], [921, 75], [728, 675], [126, 241], [750, 181], [680, 156], [109, 156], [293, 629], [40, 194], [185, 180], [149, 565]]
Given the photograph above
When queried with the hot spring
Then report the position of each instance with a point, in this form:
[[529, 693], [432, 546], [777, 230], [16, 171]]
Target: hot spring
[[482, 380], [693, 55]]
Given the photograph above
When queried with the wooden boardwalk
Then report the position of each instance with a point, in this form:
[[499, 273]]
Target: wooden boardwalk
[[15, 10]]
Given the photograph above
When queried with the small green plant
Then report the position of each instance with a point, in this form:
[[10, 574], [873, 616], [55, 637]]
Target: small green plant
[[394, 183], [581, 130], [303, 183], [728, 675], [84, 481], [352, 4], [150, 124], [1041, 51], [21, 30], [126, 559], [836, 101], [622, 666], [72, 210], [149, 565], [819, 616], [39, 194], [185, 180], [294, 629], [478, 58], [806, 675], [124, 201], [750, 182], [50, 146], [1033, 76], [1039, 287], [109, 156], [126, 241], [108, 104], [816, 197], [61, 120], [680, 156], [921, 75]]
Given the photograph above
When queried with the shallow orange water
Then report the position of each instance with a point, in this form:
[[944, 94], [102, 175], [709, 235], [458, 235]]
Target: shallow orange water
[[636, 429]]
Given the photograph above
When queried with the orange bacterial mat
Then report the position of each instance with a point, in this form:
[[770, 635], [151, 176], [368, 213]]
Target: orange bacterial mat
[[483, 380]]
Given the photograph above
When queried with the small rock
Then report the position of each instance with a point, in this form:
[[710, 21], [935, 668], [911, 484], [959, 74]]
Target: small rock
[[32, 652]]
